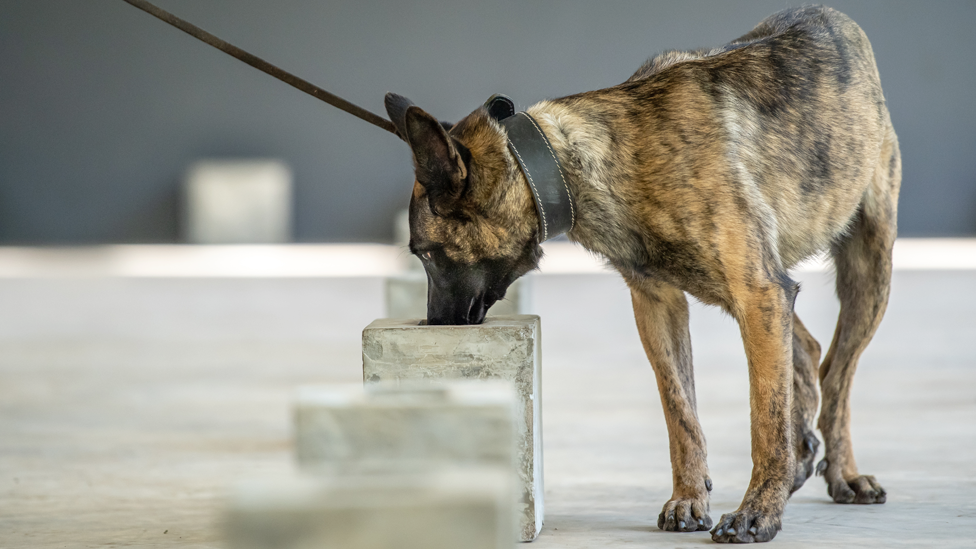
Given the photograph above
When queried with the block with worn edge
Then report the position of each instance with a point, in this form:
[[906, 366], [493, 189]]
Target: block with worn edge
[[446, 509], [503, 347], [388, 426]]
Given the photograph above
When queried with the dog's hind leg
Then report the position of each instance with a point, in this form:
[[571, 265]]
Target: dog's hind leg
[[863, 263], [806, 358], [661, 311]]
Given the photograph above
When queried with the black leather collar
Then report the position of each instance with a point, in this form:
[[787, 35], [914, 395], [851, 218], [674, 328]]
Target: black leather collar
[[539, 163]]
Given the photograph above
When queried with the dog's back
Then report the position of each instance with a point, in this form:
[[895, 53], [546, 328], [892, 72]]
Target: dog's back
[[783, 122], [800, 99]]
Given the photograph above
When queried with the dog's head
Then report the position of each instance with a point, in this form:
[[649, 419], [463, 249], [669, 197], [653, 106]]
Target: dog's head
[[472, 220]]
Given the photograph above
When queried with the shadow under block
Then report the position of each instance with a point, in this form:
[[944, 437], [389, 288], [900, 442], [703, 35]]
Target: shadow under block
[[503, 347], [389, 427], [406, 296], [447, 509]]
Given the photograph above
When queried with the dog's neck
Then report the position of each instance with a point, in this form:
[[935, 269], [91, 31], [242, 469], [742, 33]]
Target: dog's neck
[[591, 159]]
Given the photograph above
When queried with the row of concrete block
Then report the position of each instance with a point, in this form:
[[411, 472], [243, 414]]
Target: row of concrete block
[[441, 447]]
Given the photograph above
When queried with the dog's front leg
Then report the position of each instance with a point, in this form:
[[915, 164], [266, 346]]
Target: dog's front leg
[[661, 311], [765, 314]]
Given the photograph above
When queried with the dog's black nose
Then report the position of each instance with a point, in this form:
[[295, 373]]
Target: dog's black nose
[[477, 316], [461, 313], [458, 321]]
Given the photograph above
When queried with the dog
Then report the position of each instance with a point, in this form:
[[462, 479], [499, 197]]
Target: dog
[[710, 173]]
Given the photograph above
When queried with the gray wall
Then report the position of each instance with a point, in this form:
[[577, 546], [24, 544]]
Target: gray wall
[[102, 107]]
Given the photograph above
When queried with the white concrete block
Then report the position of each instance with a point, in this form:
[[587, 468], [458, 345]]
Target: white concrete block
[[406, 296], [238, 202], [385, 427], [504, 347], [450, 509]]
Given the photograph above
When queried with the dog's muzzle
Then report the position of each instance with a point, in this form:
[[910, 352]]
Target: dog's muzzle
[[457, 304]]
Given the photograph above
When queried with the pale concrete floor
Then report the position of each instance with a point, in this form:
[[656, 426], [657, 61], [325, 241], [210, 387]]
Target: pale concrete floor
[[128, 406]]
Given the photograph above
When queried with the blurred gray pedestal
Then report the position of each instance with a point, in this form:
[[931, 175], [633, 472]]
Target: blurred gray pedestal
[[392, 427], [504, 347], [238, 202], [451, 509]]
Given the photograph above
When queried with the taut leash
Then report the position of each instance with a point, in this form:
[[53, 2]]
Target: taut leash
[[264, 66]]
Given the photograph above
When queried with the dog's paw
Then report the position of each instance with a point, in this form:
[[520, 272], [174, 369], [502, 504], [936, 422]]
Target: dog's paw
[[746, 526], [806, 452], [684, 515], [860, 489]]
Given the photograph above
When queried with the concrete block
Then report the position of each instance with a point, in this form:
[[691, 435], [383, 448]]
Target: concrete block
[[386, 427], [470, 508], [406, 296], [504, 347], [238, 202]]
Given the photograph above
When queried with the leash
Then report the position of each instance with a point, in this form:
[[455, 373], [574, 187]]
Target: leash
[[264, 66]]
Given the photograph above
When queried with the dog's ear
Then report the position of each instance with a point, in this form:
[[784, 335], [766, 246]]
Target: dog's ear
[[396, 108], [438, 158]]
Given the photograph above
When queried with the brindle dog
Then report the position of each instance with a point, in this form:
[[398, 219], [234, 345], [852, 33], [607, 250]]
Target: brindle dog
[[712, 173]]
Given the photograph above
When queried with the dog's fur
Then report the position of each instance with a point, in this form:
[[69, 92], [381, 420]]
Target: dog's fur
[[712, 173]]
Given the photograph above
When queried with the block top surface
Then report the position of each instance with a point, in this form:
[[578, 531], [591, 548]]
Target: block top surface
[[454, 484], [416, 394]]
